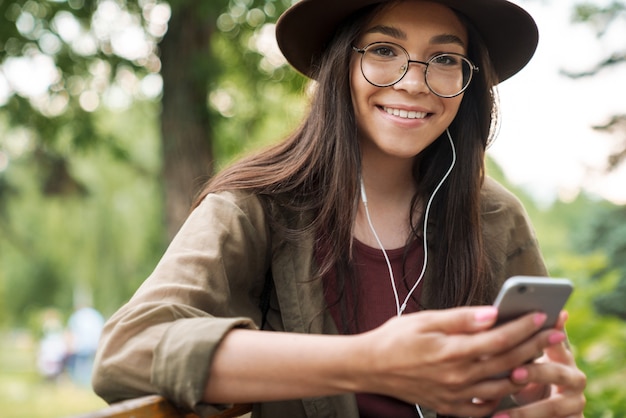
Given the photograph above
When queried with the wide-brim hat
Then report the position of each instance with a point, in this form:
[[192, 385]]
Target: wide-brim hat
[[509, 32]]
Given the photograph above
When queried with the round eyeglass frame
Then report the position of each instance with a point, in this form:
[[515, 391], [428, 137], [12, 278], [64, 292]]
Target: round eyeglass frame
[[472, 67]]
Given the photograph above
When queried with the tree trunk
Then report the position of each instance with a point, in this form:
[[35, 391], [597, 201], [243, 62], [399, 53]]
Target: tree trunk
[[185, 126]]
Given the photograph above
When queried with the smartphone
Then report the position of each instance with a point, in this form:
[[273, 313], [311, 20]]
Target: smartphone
[[520, 295]]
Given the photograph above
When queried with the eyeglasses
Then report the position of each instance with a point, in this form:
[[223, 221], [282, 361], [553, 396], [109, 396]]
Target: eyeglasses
[[383, 64]]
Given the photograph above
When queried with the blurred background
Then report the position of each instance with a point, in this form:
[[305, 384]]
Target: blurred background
[[113, 112]]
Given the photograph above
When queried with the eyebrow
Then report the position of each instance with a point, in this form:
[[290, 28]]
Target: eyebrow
[[447, 39], [388, 30], [442, 39]]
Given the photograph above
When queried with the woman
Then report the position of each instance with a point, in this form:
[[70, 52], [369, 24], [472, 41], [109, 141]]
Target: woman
[[361, 240]]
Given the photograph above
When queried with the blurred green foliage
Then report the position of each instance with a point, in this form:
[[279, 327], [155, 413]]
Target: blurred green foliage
[[103, 240], [81, 161], [565, 231]]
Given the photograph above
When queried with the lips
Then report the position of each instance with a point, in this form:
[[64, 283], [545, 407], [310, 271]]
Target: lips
[[405, 114]]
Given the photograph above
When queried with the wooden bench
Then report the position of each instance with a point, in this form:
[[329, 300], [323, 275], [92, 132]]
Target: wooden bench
[[154, 406]]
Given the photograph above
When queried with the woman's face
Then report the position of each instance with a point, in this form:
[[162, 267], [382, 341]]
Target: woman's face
[[403, 119]]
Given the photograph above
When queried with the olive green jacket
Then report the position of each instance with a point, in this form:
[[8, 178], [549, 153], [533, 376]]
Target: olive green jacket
[[210, 280]]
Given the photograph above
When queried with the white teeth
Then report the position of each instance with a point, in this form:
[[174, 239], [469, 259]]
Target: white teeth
[[406, 114]]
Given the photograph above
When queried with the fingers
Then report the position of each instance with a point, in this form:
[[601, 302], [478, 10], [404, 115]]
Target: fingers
[[558, 406], [560, 324], [488, 390], [566, 398], [505, 338], [470, 408], [564, 375], [494, 351], [462, 404], [472, 320], [464, 320], [500, 364], [559, 354]]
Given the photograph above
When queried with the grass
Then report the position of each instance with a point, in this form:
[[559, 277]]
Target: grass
[[25, 394]]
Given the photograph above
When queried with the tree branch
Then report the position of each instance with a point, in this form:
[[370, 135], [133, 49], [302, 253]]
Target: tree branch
[[616, 58]]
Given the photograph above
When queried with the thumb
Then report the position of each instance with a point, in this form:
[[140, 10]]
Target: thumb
[[464, 320]]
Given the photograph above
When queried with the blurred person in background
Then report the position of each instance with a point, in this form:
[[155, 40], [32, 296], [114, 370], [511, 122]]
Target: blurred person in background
[[52, 351], [84, 327]]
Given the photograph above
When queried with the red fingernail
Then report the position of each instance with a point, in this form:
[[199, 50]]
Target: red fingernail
[[556, 338], [540, 318], [501, 415], [519, 374]]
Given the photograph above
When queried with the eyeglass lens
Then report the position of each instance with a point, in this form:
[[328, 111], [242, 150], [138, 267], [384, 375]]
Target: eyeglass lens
[[384, 64]]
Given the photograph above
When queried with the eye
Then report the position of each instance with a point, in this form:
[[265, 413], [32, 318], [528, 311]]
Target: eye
[[384, 51], [446, 60]]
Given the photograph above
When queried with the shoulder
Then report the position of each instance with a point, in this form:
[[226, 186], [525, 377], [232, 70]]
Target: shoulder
[[231, 204], [243, 199], [503, 215], [246, 204], [501, 208], [508, 232], [496, 199], [228, 216]]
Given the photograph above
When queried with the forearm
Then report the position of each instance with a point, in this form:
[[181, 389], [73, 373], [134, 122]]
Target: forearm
[[438, 359], [254, 366]]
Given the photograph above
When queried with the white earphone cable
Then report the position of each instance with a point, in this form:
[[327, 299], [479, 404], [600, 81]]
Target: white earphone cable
[[401, 308], [426, 214], [380, 244]]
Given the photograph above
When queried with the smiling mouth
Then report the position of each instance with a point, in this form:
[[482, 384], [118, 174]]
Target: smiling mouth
[[405, 114]]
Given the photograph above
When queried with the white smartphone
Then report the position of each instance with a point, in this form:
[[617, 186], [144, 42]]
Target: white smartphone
[[520, 295]]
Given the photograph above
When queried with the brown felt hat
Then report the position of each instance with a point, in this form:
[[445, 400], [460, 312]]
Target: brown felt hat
[[509, 32]]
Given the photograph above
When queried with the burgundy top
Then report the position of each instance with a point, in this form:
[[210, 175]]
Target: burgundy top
[[376, 304]]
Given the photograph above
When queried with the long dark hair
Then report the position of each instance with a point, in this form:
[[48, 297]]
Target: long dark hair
[[316, 170], [462, 272]]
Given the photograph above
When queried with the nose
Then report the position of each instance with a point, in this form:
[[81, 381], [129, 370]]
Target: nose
[[414, 80]]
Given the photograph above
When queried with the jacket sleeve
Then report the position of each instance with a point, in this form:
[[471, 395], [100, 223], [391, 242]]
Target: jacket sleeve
[[207, 283]]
